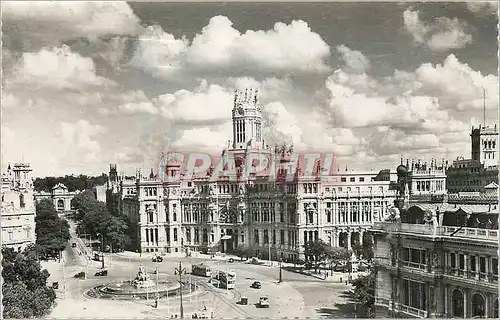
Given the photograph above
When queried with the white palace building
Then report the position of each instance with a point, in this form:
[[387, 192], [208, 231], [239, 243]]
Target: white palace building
[[272, 216]]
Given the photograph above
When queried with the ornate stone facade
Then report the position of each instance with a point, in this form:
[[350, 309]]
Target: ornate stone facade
[[18, 207]]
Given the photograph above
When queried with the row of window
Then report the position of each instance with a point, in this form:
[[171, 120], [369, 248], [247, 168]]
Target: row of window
[[150, 191], [489, 144], [455, 263]]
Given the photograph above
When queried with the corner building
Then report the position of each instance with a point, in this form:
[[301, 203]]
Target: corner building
[[18, 207], [274, 215], [440, 260]]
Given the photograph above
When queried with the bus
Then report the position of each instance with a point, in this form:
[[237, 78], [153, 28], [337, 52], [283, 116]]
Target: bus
[[227, 279], [201, 270]]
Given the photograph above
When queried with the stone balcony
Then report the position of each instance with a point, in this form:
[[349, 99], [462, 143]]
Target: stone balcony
[[439, 231]]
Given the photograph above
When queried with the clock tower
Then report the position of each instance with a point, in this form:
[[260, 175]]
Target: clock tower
[[247, 120]]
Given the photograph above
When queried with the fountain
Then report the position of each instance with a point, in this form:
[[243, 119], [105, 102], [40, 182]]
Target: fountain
[[141, 287], [142, 279]]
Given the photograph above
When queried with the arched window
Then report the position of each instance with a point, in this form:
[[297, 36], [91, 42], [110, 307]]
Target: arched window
[[478, 306], [60, 205], [457, 303]]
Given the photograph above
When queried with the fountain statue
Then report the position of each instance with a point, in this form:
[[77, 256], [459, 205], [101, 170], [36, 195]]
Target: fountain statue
[[142, 279]]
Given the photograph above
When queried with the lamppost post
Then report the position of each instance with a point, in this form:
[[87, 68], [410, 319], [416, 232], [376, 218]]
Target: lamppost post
[[180, 271], [102, 250]]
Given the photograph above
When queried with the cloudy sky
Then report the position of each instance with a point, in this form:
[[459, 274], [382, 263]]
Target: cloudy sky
[[86, 84]]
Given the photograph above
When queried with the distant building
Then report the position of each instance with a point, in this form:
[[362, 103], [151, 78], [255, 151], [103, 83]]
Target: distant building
[[440, 259], [18, 207], [472, 175], [469, 175], [273, 218], [426, 178], [60, 197], [484, 141], [100, 193]]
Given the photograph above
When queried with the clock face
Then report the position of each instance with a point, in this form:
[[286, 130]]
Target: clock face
[[240, 110]]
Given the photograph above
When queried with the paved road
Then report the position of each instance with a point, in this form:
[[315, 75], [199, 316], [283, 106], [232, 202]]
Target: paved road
[[297, 296]]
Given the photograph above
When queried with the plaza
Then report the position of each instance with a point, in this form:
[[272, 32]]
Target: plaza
[[298, 295]]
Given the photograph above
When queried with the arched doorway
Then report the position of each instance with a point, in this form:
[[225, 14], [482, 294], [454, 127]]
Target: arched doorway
[[478, 306], [60, 205], [343, 238], [457, 298]]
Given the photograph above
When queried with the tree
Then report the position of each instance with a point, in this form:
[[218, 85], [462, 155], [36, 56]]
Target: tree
[[338, 255], [97, 221], [316, 252], [243, 251], [83, 203], [364, 291], [52, 232], [365, 250], [25, 293]]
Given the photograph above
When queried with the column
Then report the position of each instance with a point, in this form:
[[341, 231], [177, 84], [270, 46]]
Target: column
[[361, 234], [349, 235], [348, 212], [466, 303]]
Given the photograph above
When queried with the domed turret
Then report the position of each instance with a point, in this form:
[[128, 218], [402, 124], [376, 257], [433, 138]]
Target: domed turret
[[401, 170]]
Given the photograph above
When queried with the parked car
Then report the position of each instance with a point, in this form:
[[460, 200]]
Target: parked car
[[244, 300], [80, 275], [55, 285], [264, 302], [231, 260], [102, 273], [256, 285], [157, 259], [73, 245], [341, 267]]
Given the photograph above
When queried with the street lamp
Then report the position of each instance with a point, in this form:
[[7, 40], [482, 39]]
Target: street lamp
[[157, 300], [102, 249], [180, 271], [281, 277]]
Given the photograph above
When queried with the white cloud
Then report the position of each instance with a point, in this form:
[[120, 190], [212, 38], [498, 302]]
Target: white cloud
[[62, 20], [441, 35], [354, 60], [220, 47], [207, 103], [457, 85], [58, 68], [214, 137], [136, 102], [79, 137]]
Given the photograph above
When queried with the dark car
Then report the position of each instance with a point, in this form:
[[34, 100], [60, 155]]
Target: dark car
[[341, 267], [231, 260], [80, 275], [256, 285], [157, 259], [73, 245], [102, 273]]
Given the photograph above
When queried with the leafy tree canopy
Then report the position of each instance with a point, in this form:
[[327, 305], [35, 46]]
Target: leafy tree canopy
[[81, 182], [243, 251], [364, 291], [25, 293], [364, 250], [52, 232]]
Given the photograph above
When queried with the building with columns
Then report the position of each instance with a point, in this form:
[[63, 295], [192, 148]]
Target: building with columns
[[18, 207], [440, 259], [273, 216]]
